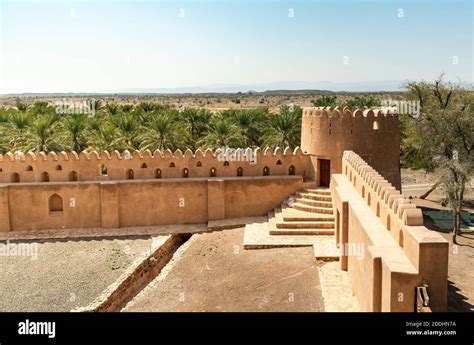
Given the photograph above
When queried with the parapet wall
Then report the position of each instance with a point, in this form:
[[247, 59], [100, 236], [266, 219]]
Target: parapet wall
[[372, 133], [399, 252], [70, 190], [94, 166]]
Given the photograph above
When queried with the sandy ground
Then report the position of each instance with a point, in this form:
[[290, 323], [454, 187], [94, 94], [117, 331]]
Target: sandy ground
[[211, 101], [65, 274], [212, 272], [461, 273], [411, 178], [416, 176]]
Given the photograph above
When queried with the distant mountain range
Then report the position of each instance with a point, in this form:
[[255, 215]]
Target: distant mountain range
[[275, 87]]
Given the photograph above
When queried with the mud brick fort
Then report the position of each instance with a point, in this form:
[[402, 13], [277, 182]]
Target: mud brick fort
[[340, 192]]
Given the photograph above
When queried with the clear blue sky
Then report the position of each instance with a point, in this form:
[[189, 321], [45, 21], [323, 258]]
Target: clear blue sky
[[75, 46]]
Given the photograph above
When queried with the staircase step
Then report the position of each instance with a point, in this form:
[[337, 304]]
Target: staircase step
[[277, 226], [313, 202], [289, 217], [292, 215], [301, 231], [314, 196], [304, 225], [319, 191], [257, 237], [314, 209]]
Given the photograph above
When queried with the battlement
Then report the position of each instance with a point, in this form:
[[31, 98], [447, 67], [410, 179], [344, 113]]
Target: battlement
[[373, 133], [400, 253], [72, 166], [370, 183], [368, 121], [345, 111]]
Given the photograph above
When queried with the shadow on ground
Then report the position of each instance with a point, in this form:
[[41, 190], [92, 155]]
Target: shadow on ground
[[456, 300]]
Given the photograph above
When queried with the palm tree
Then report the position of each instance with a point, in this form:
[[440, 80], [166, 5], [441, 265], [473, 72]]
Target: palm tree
[[162, 132], [111, 108], [4, 114], [223, 132], [325, 101], [146, 107], [105, 137], [16, 130], [196, 123], [95, 105], [362, 101], [249, 122], [74, 128], [40, 135], [23, 107], [4, 146], [40, 108], [283, 129], [4, 117], [128, 127], [127, 108]]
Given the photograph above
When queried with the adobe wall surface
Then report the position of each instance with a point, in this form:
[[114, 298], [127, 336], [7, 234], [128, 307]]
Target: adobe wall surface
[[115, 204], [86, 190], [399, 253], [327, 132]]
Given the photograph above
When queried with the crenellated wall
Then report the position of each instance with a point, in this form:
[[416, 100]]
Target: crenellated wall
[[119, 190], [371, 133], [92, 190], [94, 166], [399, 252]]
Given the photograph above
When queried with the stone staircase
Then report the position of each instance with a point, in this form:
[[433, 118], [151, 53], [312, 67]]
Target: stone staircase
[[305, 219]]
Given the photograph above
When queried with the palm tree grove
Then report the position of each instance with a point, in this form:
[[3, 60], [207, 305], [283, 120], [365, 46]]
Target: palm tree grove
[[146, 126]]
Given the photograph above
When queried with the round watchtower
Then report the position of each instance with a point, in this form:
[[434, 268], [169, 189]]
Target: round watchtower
[[372, 133]]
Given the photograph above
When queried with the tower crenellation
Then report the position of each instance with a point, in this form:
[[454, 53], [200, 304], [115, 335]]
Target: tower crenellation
[[373, 133]]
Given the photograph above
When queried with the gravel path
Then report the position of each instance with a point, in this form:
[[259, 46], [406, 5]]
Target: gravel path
[[65, 274]]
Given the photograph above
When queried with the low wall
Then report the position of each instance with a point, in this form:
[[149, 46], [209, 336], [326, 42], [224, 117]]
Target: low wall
[[127, 203], [136, 277], [399, 253]]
